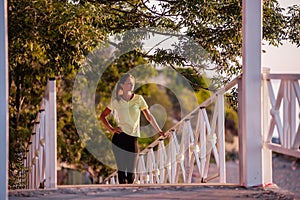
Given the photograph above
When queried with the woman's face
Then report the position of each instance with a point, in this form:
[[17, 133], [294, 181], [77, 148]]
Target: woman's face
[[128, 85]]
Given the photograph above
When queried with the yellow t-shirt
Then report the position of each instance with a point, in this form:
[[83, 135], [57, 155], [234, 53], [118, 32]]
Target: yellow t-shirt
[[128, 113]]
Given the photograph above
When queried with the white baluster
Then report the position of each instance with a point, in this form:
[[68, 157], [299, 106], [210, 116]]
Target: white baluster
[[221, 137], [150, 166]]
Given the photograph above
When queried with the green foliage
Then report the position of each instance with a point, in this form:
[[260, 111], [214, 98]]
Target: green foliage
[[46, 39], [293, 24], [273, 19], [217, 27]]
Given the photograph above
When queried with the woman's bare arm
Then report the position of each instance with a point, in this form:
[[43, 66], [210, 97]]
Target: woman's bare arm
[[152, 121], [103, 119]]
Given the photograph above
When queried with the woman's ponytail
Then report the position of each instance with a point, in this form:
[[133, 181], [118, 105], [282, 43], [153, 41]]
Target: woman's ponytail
[[118, 90]]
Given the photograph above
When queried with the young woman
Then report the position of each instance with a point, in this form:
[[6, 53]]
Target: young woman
[[128, 107]]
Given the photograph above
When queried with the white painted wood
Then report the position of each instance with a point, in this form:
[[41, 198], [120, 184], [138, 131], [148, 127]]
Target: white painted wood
[[295, 129], [296, 96], [288, 129], [292, 114], [143, 169], [179, 158], [197, 150], [139, 169], [47, 145], [51, 135], [286, 113], [211, 134], [221, 138], [207, 145], [167, 163], [25, 166], [150, 167], [242, 172], [272, 103], [202, 142], [194, 151], [196, 157], [251, 136], [155, 166], [38, 150], [191, 145], [275, 110], [283, 76], [296, 143], [267, 153], [29, 165], [113, 180], [3, 101], [161, 158], [32, 164], [297, 90], [173, 160], [42, 146], [279, 149], [185, 149]]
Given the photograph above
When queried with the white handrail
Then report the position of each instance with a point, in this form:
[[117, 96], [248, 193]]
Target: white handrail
[[174, 160], [40, 159], [283, 116]]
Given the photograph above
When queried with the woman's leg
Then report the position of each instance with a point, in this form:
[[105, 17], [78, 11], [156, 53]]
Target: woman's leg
[[118, 151], [125, 149], [132, 149]]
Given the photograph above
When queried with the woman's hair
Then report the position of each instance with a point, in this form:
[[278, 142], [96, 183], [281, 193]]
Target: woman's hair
[[121, 81]]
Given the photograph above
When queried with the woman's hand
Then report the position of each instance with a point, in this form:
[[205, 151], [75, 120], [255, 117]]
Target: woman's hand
[[161, 133], [103, 116], [153, 122], [117, 130]]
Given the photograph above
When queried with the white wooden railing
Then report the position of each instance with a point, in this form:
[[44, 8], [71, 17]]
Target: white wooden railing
[[192, 140], [40, 157], [281, 113]]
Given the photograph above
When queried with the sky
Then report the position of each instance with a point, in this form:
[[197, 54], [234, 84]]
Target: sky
[[286, 58]]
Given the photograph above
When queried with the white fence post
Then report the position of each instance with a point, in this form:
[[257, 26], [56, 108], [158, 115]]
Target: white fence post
[[266, 153], [149, 167], [50, 137], [42, 146], [3, 101], [173, 160], [179, 157], [221, 137], [251, 136], [162, 163], [202, 142], [185, 149]]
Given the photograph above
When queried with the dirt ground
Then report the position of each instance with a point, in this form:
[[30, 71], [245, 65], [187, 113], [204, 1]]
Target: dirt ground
[[286, 174]]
